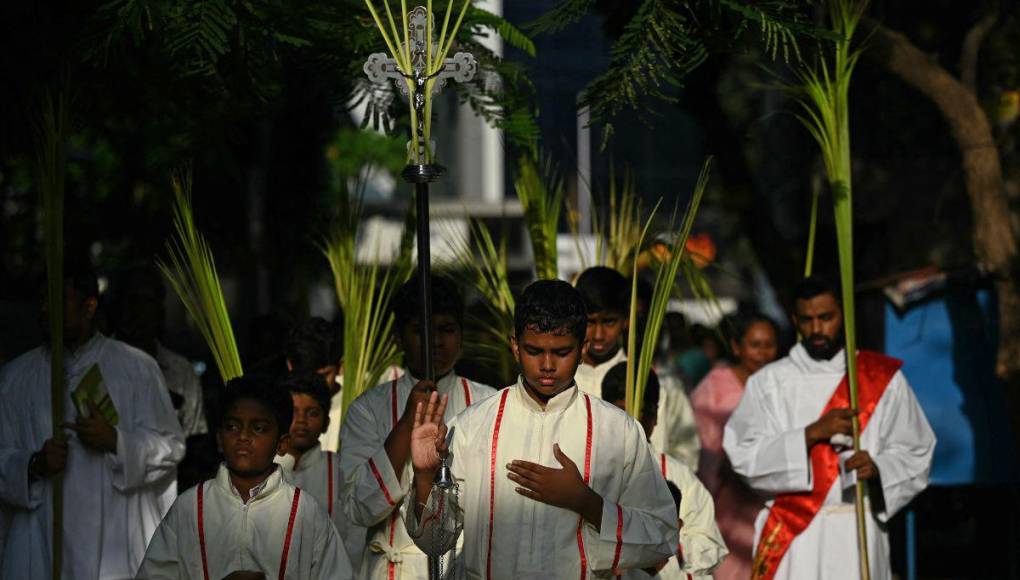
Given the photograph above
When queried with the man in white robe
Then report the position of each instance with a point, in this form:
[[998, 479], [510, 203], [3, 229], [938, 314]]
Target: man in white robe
[[788, 417], [118, 481], [607, 296], [701, 547], [375, 448], [554, 483], [248, 522]]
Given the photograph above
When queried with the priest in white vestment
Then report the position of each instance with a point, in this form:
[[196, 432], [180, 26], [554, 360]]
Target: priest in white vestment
[[376, 434], [118, 480], [607, 297], [789, 416], [554, 483]]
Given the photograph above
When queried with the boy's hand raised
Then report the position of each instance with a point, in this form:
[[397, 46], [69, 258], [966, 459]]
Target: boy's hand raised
[[428, 438], [419, 394], [563, 488]]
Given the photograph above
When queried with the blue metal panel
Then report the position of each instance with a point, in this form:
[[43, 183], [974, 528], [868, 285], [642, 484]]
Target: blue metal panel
[[948, 346]]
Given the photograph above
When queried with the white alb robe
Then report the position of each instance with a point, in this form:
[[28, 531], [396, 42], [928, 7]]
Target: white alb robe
[[701, 547], [112, 501], [318, 473], [507, 535], [181, 379], [765, 442], [248, 536], [330, 438], [372, 494], [675, 432]]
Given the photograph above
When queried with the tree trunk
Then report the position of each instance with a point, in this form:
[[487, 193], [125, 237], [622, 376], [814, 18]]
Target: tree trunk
[[995, 242]]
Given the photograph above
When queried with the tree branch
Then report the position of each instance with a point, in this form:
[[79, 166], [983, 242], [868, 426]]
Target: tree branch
[[972, 46]]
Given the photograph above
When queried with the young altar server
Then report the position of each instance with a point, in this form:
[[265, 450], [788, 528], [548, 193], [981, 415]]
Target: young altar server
[[701, 547], [376, 435], [308, 466], [791, 431], [606, 295], [248, 522], [554, 483]]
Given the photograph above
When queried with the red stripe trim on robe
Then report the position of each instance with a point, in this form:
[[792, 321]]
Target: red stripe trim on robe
[[587, 479], [290, 533], [467, 392], [382, 484], [393, 403], [793, 512], [329, 483], [662, 463], [391, 567], [619, 536], [492, 479], [201, 531]]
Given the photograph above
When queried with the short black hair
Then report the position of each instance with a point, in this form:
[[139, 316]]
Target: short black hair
[[312, 386], [446, 299], [262, 390], [604, 289], [551, 307], [816, 285], [614, 386], [312, 345], [736, 326]]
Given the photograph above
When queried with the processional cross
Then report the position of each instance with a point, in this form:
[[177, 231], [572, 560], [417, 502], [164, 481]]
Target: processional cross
[[462, 67], [381, 68]]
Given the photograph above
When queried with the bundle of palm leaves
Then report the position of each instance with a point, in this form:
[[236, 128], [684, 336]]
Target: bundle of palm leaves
[[191, 271], [364, 292], [485, 265], [399, 46], [541, 196]]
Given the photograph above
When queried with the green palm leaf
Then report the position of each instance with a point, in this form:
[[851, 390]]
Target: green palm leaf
[[191, 271]]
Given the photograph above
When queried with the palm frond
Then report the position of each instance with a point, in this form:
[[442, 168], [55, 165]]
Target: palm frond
[[618, 230], [191, 271], [665, 281], [541, 196], [484, 264], [364, 292], [564, 14]]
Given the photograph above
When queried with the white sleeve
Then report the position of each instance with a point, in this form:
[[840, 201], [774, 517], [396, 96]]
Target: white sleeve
[[907, 444], [329, 560], [152, 444], [702, 548], [772, 457], [641, 529], [16, 491], [676, 433], [162, 559], [371, 489]]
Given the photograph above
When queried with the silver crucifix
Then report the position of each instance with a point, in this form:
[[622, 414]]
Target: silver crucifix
[[380, 68]]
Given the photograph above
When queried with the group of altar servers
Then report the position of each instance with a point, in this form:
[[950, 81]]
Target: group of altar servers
[[748, 475]]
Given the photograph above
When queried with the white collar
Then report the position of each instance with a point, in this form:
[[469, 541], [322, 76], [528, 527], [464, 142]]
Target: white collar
[[264, 489], [807, 364], [556, 404]]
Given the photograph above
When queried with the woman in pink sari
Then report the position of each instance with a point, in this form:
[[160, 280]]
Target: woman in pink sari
[[754, 344]]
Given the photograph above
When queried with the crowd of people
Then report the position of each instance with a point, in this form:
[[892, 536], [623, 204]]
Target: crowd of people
[[740, 464]]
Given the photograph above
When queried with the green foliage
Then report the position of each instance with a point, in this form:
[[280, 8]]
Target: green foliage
[[485, 265], [191, 271], [665, 283], [364, 292], [353, 149], [541, 196], [665, 40], [50, 167]]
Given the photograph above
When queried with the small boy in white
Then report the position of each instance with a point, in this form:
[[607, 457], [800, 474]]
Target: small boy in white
[[701, 547], [308, 466], [247, 523]]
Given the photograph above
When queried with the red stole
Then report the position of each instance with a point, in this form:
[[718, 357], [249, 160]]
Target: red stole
[[792, 512]]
